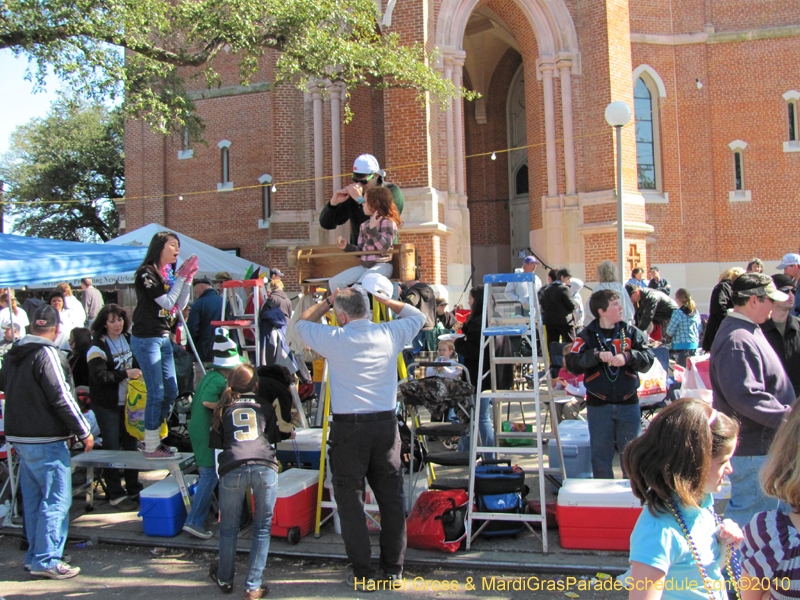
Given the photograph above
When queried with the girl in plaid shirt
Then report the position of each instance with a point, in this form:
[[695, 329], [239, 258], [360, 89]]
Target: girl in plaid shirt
[[374, 236], [684, 328]]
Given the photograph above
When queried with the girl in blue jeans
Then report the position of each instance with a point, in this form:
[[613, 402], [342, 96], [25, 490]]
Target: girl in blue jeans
[[160, 293], [245, 429]]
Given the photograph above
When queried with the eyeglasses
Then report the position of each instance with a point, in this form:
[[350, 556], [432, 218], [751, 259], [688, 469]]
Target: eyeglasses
[[763, 299], [788, 290], [362, 181]]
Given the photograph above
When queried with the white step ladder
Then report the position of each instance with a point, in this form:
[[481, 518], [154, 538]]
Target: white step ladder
[[242, 320], [527, 327]]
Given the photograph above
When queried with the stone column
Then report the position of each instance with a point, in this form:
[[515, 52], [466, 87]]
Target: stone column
[[547, 68], [458, 121], [565, 71], [319, 148], [336, 90], [447, 59]]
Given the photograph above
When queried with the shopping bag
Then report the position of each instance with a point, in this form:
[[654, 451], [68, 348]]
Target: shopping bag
[[653, 384], [438, 520], [697, 373], [135, 403]]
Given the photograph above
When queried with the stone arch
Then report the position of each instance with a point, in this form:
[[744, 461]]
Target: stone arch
[[550, 20], [653, 74]]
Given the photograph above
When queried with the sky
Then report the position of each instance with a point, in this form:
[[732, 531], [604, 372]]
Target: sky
[[18, 103]]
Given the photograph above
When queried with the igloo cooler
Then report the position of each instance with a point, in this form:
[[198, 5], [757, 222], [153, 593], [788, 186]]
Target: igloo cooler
[[162, 510], [295, 509], [575, 446], [596, 514], [306, 453]]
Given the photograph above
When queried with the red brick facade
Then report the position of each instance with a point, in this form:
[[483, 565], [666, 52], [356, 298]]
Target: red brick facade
[[720, 76]]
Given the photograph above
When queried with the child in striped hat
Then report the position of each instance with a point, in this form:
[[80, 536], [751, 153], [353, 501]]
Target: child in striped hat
[[209, 391]]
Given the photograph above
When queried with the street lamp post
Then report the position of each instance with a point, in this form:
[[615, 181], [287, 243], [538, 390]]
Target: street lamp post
[[618, 114]]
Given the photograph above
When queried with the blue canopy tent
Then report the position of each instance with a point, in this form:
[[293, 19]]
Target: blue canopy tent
[[27, 260]]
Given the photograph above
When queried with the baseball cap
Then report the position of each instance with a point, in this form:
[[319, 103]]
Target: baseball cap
[[780, 280], [441, 301], [45, 316], [205, 280], [276, 272], [756, 284], [530, 260], [367, 164], [788, 260]]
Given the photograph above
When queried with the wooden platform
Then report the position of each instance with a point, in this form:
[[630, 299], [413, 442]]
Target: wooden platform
[[323, 262]]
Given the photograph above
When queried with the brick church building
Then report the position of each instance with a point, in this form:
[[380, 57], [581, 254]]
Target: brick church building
[[711, 166]]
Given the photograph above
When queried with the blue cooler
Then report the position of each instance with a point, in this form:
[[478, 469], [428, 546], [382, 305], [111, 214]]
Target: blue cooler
[[306, 453], [162, 510], [575, 448]]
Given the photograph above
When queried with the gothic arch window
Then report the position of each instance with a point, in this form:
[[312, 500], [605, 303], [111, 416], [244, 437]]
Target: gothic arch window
[[792, 144], [648, 139], [738, 172], [521, 180], [226, 183]]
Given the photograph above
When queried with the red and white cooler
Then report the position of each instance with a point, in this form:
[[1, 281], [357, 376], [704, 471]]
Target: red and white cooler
[[295, 509], [597, 514]]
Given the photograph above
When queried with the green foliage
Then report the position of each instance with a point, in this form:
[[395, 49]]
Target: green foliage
[[144, 45], [62, 171]]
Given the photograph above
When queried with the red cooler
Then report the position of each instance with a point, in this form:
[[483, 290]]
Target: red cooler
[[295, 509], [597, 514]]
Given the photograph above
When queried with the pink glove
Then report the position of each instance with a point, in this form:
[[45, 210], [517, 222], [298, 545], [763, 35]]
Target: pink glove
[[188, 268]]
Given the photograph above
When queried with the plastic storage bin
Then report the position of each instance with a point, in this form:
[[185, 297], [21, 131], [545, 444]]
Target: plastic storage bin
[[576, 449], [295, 509], [162, 510], [597, 514], [309, 443]]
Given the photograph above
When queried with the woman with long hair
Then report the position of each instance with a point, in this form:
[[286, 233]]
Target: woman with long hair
[[80, 340], [721, 301], [110, 363], [245, 429], [375, 235], [684, 328], [160, 293], [679, 545]]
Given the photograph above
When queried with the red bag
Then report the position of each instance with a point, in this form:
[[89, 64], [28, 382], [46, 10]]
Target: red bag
[[438, 520]]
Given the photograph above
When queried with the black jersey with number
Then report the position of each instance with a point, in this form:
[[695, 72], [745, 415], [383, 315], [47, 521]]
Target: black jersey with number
[[245, 437]]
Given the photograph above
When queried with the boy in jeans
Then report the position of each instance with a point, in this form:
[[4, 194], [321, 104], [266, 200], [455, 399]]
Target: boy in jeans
[[609, 353]]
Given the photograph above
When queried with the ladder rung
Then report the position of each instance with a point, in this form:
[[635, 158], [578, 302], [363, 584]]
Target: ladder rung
[[243, 283], [492, 331], [234, 324], [490, 516], [513, 360], [511, 395], [509, 449]]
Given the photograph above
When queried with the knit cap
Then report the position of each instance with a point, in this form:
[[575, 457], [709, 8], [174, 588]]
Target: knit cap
[[226, 355]]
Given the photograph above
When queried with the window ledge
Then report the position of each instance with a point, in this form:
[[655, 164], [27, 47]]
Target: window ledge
[[653, 197], [225, 187], [262, 224], [791, 146], [184, 154], [740, 196]]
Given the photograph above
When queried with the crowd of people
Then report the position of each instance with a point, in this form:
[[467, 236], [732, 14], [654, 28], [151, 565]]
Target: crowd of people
[[239, 412]]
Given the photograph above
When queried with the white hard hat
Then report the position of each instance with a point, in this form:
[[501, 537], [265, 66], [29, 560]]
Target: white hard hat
[[367, 164]]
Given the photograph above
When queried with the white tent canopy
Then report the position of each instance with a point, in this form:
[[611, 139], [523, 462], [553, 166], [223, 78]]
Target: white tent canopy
[[211, 260]]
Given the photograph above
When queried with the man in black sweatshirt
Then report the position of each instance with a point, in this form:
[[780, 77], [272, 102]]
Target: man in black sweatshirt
[[41, 416]]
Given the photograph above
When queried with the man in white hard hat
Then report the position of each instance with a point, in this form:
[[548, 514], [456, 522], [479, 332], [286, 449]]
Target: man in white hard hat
[[346, 204]]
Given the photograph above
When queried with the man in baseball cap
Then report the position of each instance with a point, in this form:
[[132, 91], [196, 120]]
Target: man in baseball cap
[[791, 267], [518, 291], [345, 205], [750, 384]]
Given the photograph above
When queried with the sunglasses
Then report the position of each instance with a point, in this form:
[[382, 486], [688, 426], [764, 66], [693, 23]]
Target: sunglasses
[[788, 290], [362, 181]]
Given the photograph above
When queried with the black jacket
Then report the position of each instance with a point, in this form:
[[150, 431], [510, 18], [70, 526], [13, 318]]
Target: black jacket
[[662, 285], [422, 297], [721, 301], [557, 305], [470, 348], [654, 307], [40, 402], [583, 360], [787, 347]]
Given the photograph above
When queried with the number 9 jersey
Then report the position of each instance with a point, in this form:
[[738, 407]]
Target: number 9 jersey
[[247, 431]]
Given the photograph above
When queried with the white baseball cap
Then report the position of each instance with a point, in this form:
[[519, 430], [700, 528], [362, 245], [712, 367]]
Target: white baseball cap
[[788, 260], [377, 285], [367, 164]]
